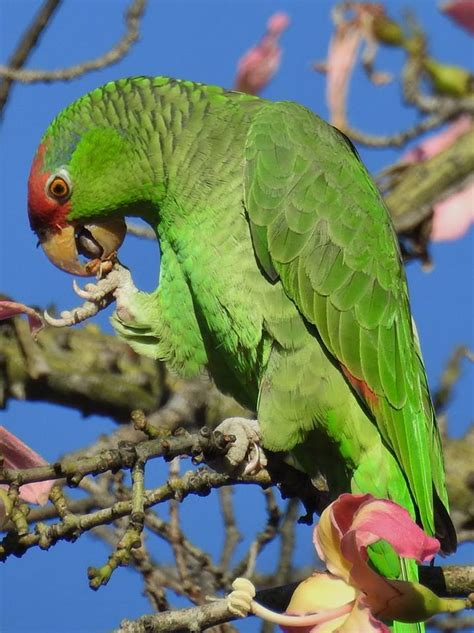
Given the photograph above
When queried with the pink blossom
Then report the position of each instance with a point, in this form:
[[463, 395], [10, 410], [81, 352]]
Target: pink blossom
[[462, 12], [453, 217], [350, 33], [350, 597], [17, 455], [10, 309], [258, 65]]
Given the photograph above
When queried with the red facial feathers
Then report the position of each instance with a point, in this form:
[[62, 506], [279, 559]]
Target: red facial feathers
[[43, 211]]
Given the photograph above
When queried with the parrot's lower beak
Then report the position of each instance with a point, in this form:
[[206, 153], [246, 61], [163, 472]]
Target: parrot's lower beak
[[95, 241]]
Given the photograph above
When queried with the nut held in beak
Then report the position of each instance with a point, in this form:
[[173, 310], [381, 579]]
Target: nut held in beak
[[98, 241]]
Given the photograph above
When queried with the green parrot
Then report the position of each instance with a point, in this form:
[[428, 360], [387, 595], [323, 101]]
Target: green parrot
[[280, 274]]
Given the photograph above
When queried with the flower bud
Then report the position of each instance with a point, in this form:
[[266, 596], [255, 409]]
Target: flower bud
[[387, 31], [416, 603], [449, 80]]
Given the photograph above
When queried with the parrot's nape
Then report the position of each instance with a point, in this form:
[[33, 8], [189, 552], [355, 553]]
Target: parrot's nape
[[280, 273]]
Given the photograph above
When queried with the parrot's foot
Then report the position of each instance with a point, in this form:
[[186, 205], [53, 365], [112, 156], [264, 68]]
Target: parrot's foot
[[117, 285], [245, 455]]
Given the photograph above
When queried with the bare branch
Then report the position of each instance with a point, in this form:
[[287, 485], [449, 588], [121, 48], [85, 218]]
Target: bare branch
[[133, 16], [458, 580], [231, 532], [287, 546], [450, 376], [27, 43], [411, 197], [397, 139], [453, 623]]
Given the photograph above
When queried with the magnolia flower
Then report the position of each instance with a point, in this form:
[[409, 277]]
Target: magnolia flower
[[462, 12], [17, 455], [260, 63], [10, 309], [361, 26], [350, 597]]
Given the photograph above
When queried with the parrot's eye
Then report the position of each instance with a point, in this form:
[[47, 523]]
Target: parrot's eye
[[58, 187], [87, 245]]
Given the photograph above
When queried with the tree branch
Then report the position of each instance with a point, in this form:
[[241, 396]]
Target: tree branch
[[133, 16], [25, 46], [411, 197], [457, 580]]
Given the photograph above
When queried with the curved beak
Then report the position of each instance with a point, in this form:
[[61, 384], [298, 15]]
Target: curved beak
[[62, 246]]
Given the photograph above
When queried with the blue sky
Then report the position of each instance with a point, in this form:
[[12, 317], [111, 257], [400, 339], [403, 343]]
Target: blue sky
[[201, 41]]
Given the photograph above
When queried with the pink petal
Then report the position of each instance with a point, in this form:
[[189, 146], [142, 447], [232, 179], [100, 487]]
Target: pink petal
[[258, 65], [453, 217], [438, 142], [382, 519], [352, 523], [278, 23], [462, 12], [10, 309], [17, 455], [340, 63]]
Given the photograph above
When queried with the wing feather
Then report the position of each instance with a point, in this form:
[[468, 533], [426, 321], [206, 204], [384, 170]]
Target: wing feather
[[319, 224]]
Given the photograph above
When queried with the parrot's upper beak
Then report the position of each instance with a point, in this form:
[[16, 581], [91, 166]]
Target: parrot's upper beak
[[96, 241]]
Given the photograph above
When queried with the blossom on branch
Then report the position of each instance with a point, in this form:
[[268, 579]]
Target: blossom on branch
[[9, 309], [18, 455], [350, 597], [452, 216], [258, 65], [366, 24]]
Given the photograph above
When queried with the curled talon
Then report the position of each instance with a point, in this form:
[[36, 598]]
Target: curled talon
[[257, 460], [57, 322], [81, 292]]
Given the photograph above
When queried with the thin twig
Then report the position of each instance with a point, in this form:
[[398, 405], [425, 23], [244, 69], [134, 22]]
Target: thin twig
[[450, 376], [399, 138], [453, 623], [191, 589], [246, 566], [27, 43], [287, 542], [132, 537], [231, 532], [196, 482], [133, 16]]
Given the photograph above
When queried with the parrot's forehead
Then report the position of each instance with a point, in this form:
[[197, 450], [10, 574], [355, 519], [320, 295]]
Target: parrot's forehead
[[43, 211]]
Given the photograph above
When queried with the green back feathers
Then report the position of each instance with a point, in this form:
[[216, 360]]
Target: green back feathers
[[319, 222]]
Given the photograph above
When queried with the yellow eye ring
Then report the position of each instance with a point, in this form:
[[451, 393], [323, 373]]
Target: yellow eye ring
[[58, 188]]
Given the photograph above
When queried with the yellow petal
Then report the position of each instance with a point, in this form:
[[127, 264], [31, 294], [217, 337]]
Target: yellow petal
[[320, 592], [327, 541]]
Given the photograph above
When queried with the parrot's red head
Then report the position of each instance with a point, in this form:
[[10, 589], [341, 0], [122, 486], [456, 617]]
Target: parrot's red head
[[49, 205]]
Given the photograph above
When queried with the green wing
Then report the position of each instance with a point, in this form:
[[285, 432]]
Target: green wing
[[319, 224]]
